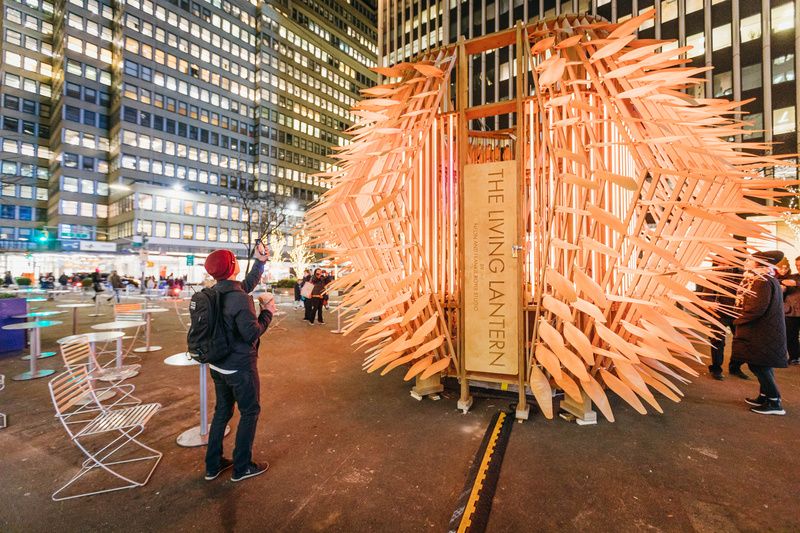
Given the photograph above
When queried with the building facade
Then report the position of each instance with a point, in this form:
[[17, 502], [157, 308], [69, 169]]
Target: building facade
[[751, 44], [147, 117]]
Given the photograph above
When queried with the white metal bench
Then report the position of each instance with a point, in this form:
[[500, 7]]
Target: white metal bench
[[106, 438]]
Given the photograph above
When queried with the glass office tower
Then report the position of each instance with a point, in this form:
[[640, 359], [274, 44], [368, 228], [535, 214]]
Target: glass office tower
[[751, 44], [145, 117]]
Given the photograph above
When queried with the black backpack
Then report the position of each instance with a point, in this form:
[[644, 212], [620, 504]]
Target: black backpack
[[207, 339]]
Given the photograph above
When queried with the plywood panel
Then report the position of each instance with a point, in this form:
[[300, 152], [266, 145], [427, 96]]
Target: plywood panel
[[491, 273]]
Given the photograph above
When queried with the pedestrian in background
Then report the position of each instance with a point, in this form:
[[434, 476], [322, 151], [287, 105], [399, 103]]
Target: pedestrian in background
[[791, 307], [315, 298], [298, 290], [724, 306], [8, 279], [760, 335], [306, 286], [116, 285], [96, 285]]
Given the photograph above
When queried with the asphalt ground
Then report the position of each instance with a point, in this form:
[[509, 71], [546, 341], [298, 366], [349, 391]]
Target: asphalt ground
[[352, 452]]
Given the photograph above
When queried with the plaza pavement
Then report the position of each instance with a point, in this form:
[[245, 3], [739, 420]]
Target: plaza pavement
[[352, 452]]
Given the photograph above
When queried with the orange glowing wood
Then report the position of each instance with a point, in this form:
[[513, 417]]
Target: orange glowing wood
[[629, 187]]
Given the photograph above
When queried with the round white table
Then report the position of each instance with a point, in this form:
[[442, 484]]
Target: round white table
[[147, 311], [36, 315], [119, 325], [36, 346], [100, 336], [196, 436], [74, 307]]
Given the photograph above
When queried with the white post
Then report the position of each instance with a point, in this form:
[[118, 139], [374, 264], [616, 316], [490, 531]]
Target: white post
[[338, 306]]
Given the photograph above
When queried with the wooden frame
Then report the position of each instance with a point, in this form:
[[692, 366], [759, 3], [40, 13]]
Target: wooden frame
[[627, 187]]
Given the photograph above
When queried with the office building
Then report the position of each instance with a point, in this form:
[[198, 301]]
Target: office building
[[147, 117], [751, 45]]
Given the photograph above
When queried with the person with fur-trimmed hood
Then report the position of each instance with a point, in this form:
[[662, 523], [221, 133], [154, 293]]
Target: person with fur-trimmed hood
[[760, 334]]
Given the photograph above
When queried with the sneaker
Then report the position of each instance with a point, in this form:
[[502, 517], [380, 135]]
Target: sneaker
[[224, 464], [757, 402], [321, 322], [770, 407], [739, 374], [717, 375], [254, 469], [794, 361]]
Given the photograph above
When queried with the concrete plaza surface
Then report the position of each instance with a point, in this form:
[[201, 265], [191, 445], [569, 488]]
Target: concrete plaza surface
[[354, 452]]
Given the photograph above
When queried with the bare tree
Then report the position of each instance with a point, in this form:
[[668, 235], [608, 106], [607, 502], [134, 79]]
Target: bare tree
[[263, 213], [277, 241], [300, 254]]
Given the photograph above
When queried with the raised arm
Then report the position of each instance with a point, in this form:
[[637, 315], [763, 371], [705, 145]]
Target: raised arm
[[253, 277], [250, 325]]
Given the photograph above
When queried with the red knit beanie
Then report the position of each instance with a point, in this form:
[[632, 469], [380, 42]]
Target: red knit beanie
[[220, 264]]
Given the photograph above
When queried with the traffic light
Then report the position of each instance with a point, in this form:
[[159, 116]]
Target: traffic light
[[44, 239]]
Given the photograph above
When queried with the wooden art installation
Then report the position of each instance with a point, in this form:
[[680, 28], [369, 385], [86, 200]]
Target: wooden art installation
[[558, 254]]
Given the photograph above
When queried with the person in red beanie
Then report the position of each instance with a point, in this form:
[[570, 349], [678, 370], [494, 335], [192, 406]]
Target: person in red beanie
[[236, 377]]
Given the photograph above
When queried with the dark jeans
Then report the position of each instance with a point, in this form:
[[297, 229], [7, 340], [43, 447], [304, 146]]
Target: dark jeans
[[792, 333], [718, 345], [313, 307], [766, 380], [241, 388]]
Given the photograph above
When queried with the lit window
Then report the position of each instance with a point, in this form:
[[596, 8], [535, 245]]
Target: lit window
[[721, 37], [723, 84], [751, 77], [698, 44], [783, 120], [783, 68], [750, 28], [13, 59], [68, 207], [783, 17]]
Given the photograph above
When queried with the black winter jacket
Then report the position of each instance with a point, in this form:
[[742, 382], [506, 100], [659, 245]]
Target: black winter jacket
[[243, 326], [760, 331]]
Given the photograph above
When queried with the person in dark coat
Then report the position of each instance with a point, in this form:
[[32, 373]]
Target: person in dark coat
[[725, 303], [760, 335], [236, 378], [96, 284], [791, 307], [314, 304], [298, 289]]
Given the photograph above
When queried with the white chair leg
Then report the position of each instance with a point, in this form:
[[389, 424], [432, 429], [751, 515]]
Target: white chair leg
[[93, 461]]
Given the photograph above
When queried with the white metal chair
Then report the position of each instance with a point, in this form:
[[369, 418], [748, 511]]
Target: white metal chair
[[78, 353], [105, 439], [3, 420], [131, 312]]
